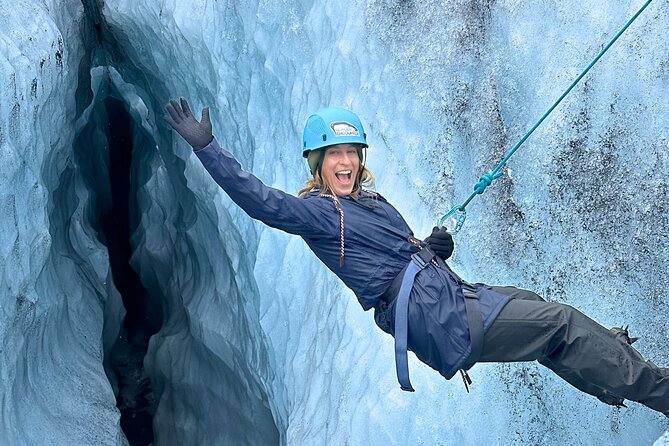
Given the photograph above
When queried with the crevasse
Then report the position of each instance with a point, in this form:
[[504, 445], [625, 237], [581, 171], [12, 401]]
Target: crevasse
[[238, 334]]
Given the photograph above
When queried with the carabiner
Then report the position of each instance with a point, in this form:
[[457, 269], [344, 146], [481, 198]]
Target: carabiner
[[454, 219]]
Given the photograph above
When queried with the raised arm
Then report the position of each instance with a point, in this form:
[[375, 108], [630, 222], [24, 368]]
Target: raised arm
[[306, 217]]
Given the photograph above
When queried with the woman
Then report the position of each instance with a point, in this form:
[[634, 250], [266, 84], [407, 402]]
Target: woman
[[448, 323]]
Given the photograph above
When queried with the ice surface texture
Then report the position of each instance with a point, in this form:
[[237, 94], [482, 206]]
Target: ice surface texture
[[259, 343], [663, 440]]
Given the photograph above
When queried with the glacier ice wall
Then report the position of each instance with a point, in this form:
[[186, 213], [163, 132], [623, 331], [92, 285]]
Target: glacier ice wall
[[252, 340], [55, 278]]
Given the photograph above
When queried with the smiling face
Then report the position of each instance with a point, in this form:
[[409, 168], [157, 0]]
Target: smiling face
[[341, 164]]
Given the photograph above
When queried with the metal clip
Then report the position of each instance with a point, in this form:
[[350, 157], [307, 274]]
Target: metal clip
[[419, 260], [466, 379]]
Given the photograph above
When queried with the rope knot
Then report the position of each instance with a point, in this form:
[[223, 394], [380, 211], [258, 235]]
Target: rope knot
[[485, 181]]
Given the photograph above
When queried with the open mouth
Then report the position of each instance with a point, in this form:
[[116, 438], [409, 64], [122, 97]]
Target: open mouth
[[344, 176]]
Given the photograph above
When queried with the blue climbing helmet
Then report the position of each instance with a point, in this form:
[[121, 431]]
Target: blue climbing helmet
[[330, 126]]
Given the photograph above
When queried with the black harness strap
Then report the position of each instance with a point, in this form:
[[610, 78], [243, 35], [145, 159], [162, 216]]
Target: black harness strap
[[474, 320], [475, 323]]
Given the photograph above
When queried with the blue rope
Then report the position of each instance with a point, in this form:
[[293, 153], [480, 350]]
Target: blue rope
[[458, 212]]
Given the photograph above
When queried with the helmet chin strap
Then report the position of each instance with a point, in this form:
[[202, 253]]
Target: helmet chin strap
[[363, 158], [319, 165]]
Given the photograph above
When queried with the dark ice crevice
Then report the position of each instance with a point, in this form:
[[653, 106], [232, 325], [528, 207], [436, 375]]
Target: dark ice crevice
[[134, 394]]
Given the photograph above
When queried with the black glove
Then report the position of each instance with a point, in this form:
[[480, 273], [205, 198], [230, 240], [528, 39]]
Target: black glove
[[197, 134], [440, 242]]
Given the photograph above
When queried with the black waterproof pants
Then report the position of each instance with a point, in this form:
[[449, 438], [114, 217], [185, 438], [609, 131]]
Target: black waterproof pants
[[578, 349]]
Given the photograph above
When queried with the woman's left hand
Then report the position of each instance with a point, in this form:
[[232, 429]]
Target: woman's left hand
[[440, 242]]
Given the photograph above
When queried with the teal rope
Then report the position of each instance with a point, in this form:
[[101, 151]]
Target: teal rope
[[458, 212]]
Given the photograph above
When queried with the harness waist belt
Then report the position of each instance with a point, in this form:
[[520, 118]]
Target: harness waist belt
[[393, 290]]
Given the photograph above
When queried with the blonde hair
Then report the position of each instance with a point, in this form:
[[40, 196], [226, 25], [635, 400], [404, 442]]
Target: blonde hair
[[365, 178]]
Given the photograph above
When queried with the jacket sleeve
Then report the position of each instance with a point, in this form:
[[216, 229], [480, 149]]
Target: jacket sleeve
[[275, 208]]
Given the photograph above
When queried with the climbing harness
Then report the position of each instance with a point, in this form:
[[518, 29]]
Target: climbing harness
[[400, 290], [458, 214]]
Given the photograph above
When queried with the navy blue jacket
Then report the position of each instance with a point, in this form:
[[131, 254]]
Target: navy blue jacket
[[377, 243]]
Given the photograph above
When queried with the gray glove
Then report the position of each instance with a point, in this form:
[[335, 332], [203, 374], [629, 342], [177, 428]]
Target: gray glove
[[197, 134]]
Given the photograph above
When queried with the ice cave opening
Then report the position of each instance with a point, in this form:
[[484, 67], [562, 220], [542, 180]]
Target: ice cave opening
[[111, 133], [125, 362]]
